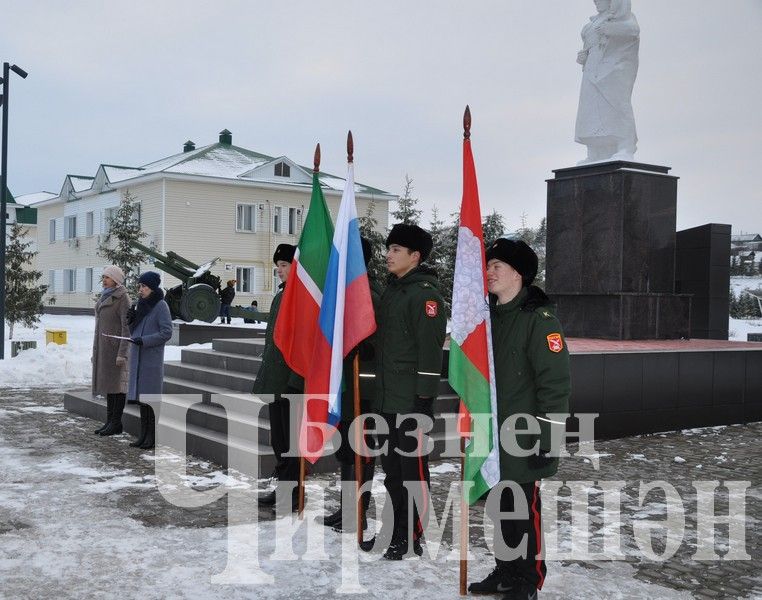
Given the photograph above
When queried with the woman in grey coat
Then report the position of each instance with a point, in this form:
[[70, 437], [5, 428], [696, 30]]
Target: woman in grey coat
[[110, 354], [150, 329]]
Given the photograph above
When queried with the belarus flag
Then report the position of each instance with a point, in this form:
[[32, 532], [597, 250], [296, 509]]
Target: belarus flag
[[346, 318], [472, 368], [297, 322]]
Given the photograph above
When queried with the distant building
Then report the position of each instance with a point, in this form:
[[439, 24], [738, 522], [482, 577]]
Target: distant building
[[219, 200], [746, 242]]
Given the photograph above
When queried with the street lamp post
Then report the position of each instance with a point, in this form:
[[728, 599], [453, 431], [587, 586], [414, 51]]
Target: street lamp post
[[4, 100]]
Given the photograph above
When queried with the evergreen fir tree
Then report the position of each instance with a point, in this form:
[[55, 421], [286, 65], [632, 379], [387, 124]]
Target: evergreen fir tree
[[733, 308], [123, 230], [369, 230], [23, 297], [407, 211], [493, 226]]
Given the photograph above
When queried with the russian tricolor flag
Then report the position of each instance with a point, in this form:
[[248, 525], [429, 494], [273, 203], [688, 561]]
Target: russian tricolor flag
[[346, 318]]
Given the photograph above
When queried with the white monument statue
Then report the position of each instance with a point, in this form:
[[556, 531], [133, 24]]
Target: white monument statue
[[609, 59]]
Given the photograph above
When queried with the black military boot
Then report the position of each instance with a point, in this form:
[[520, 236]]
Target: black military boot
[[398, 549], [229, 320], [143, 427], [367, 475], [500, 580], [109, 414], [151, 431], [115, 427]]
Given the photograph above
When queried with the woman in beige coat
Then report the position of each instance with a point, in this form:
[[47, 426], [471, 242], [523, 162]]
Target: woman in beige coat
[[110, 368]]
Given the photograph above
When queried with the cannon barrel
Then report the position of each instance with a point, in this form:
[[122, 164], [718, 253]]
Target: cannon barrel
[[171, 263]]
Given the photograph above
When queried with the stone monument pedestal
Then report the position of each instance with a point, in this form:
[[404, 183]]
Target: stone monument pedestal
[[610, 264]]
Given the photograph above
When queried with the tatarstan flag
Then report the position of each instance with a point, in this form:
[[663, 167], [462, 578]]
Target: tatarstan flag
[[346, 319], [297, 323], [472, 369]]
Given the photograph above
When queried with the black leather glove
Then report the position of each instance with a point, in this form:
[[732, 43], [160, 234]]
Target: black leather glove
[[138, 341], [424, 406]]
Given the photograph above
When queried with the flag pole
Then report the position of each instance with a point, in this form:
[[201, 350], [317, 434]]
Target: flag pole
[[463, 499], [302, 466], [358, 458], [356, 384]]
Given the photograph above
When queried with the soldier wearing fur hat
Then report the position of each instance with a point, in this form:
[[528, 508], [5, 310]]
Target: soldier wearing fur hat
[[274, 377], [410, 335], [531, 378]]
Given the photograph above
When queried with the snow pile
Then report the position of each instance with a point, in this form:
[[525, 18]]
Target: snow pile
[[56, 365]]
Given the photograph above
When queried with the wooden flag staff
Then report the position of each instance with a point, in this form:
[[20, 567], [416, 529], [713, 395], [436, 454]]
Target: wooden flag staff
[[463, 499], [302, 463]]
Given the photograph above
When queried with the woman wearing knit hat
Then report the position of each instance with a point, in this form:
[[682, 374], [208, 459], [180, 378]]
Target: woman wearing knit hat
[[150, 328], [110, 354]]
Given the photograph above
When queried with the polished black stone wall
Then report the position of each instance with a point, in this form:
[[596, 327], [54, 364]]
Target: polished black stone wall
[[703, 270], [610, 255]]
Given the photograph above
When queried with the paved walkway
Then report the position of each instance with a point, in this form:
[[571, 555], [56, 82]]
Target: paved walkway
[[74, 508]]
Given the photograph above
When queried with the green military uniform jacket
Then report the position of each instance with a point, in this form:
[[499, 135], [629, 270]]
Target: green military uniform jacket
[[367, 350], [411, 332], [531, 377], [274, 374]]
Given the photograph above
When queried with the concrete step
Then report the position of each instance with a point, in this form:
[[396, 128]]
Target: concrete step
[[200, 441], [222, 360], [234, 381], [247, 347]]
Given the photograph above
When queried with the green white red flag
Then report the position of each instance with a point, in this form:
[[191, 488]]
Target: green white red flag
[[472, 369]]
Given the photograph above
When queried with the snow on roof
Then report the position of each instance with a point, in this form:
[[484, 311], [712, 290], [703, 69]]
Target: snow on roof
[[33, 198], [214, 160], [116, 173], [80, 183]]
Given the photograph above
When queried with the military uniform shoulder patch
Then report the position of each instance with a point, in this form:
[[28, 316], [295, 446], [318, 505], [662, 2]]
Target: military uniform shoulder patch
[[432, 308], [555, 342]]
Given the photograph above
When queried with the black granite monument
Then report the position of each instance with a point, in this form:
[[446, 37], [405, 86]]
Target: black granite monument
[[703, 270], [611, 252]]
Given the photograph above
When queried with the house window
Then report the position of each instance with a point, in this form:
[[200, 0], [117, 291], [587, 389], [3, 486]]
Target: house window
[[108, 215], [282, 170], [70, 227], [89, 279], [276, 280], [244, 280], [292, 221], [89, 220], [137, 215], [52, 230], [245, 217], [70, 280], [277, 219], [51, 281]]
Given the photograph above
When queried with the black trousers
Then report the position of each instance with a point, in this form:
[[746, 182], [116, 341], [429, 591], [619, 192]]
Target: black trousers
[[407, 437], [526, 566], [287, 467]]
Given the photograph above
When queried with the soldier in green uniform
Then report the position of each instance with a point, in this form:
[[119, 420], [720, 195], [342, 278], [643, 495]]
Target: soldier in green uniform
[[345, 453], [531, 378], [275, 377], [409, 340]]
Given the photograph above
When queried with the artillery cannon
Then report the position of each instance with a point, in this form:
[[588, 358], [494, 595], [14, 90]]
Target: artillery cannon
[[196, 298]]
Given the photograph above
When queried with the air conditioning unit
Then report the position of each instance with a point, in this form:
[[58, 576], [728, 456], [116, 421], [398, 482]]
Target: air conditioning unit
[[74, 243], [261, 207]]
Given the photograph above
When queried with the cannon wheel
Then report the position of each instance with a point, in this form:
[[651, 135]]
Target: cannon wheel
[[200, 302]]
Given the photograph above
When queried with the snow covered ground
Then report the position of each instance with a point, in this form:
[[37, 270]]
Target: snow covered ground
[[60, 366], [81, 518]]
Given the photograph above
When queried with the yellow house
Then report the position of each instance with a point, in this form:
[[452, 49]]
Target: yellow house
[[219, 200]]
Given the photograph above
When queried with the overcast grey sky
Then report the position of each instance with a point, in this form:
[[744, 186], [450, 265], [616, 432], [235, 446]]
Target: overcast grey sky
[[128, 83]]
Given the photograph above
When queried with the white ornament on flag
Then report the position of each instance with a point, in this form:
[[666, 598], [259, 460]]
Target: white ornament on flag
[[468, 287]]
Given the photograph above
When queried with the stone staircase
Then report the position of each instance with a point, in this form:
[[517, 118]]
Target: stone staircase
[[228, 369]]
